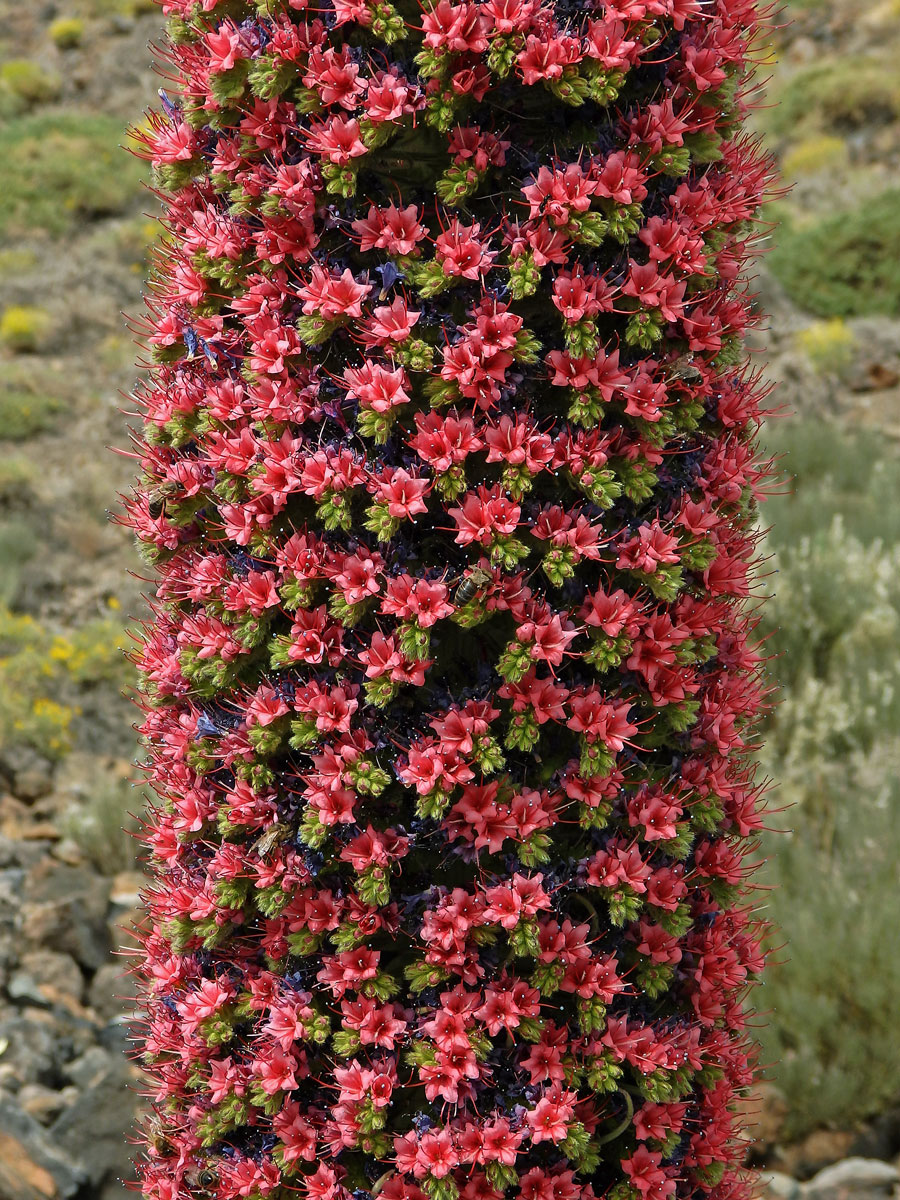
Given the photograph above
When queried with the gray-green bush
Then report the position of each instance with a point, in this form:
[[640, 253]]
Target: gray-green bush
[[846, 264], [834, 621]]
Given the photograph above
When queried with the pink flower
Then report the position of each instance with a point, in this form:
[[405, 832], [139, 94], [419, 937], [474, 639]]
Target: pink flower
[[457, 27], [225, 47], [395, 230], [593, 716], [173, 143], [204, 1002], [546, 58], [656, 812], [646, 1175], [254, 593], [334, 76], [444, 441], [649, 549], [381, 657], [265, 706], [485, 514], [549, 1120], [388, 97], [323, 1184], [376, 387], [358, 577], [331, 296], [435, 1155], [296, 1133], [420, 600], [374, 848], [523, 898], [548, 636], [275, 1070], [338, 140], [461, 252], [389, 324], [557, 194]]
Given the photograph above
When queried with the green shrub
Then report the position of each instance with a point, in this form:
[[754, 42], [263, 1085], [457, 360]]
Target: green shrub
[[814, 154], [131, 241], [832, 471], [30, 712], [829, 345], [18, 545], [61, 169], [103, 825], [16, 261], [833, 1033], [31, 399], [67, 32], [118, 8], [833, 623], [17, 478], [24, 84], [832, 620], [44, 674], [95, 652], [847, 264], [23, 328], [849, 93], [24, 415]]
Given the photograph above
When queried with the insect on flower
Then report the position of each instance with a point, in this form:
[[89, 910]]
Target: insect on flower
[[685, 371], [202, 1182], [156, 502], [273, 836], [471, 584]]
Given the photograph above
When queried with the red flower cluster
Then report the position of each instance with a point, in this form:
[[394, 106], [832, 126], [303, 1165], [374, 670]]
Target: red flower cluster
[[449, 474]]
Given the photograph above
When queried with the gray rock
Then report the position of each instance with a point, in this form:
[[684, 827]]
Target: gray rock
[[107, 986], [856, 1178], [43, 1103], [126, 888], [23, 986], [877, 358], [28, 774], [9, 1076], [40, 1041], [8, 851], [64, 909], [59, 974], [89, 1068], [31, 1167], [881, 1139], [819, 1149], [12, 880], [32, 1053], [95, 1131], [775, 1185]]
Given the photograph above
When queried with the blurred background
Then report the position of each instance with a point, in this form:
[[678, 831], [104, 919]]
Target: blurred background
[[75, 228]]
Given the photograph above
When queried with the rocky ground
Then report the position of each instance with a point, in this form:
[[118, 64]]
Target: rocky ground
[[67, 1089], [73, 243]]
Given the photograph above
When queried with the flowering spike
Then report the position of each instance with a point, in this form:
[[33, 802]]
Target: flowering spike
[[448, 476]]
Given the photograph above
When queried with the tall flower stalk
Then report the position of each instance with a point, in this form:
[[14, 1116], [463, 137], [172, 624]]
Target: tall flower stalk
[[449, 480]]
